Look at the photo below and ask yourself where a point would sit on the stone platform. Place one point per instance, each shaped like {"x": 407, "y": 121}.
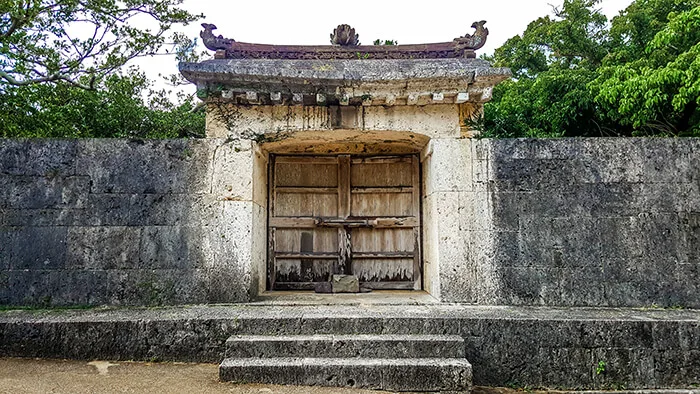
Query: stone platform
{"x": 573, "y": 348}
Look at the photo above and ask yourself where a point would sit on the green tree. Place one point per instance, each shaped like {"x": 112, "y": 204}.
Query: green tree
{"x": 657, "y": 92}
{"x": 577, "y": 75}
{"x": 62, "y": 69}
{"x": 552, "y": 62}
{"x": 115, "y": 108}
{"x": 67, "y": 40}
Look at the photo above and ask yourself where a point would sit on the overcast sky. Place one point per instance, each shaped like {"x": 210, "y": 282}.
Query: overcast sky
{"x": 408, "y": 22}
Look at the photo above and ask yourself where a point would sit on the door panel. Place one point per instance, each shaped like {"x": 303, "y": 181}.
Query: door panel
{"x": 306, "y": 204}
{"x": 340, "y": 214}
{"x": 381, "y": 204}
{"x": 307, "y": 240}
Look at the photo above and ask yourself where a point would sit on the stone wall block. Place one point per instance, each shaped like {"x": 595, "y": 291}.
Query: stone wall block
{"x": 450, "y": 166}
{"x": 233, "y": 171}
{"x": 506, "y": 208}
{"x": 577, "y": 371}
{"x": 525, "y": 175}
{"x": 623, "y": 368}
{"x": 431, "y": 279}
{"x": 6, "y": 243}
{"x": 40, "y": 192}
{"x": 155, "y": 287}
{"x": 148, "y": 167}
{"x": 38, "y": 157}
{"x": 103, "y": 248}
{"x": 434, "y": 121}
{"x": 171, "y": 247}
{"x": 38, "y": 248}
{"x": 677, "y": 368}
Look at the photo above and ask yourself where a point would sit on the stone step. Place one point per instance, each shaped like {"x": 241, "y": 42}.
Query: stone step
{"x": 342, "y": 346}
{"x": 397, "y": 374}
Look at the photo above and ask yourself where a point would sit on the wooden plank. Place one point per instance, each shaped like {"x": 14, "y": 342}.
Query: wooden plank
{"x": 381, "y": 174}
{"x": 344, "y": 251}
{"x": 271, "y": 230}
{"x": 381, "y": 204}
{"x": 306, "y": 205}
{"x": 417, "y": 258}
{"x": 382, "y": 255}
{"x": 395, "y": 222}
{"x": 381, "y": 160}
{"x": 375, "y": 190}
{"x": 306, "y": 174}
{"x": 293, "y": 222}
{"x": 389, "y": 240}
{"x": 343, "y": 186}
{"x": 292, "y": 270}
{"x": 306, "y": 255}
{"x": 291, "y": 240}
{"x": 310, "y": 190}
{"x": 307, "y": 159}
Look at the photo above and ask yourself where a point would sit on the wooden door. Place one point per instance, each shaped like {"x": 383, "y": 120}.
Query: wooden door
{"x": 342, "y": 214}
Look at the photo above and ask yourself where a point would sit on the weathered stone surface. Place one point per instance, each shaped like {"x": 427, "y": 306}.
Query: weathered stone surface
{"x": 89, "y": 222}
{"x": 384, "y": 374}
{"x": 544, "y": 347}
{"x": 585, "y": 222}
{"x": 342, "y": 346}
{"x": 345, "y": 284}
{"x": 101, "y": 248}
{"x": 147, "y": 166}
{"x": 38, "y": 157}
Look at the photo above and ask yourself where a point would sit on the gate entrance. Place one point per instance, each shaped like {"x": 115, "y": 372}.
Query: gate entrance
{"x": 344, "y": 215}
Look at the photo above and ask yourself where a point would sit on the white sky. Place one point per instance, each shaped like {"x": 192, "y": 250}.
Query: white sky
{"x": 310, "y": 22}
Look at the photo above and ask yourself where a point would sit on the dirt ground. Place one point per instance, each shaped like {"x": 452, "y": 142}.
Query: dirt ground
{"x": 18, "y": 376}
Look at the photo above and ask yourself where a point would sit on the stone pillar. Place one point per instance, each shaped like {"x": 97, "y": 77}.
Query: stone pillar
{"x": 240, "y": 184}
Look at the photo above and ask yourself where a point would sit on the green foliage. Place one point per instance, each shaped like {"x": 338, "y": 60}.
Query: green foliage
{"x": 600, "y": 368}
{"x": 577, "y": 75}
{"x": 79, "y": 41}
{"x": 61, "y": 69}
{"x": 659, "y": 93}
{"x": 114, "y": 109}
{"x": 385, "y": 42}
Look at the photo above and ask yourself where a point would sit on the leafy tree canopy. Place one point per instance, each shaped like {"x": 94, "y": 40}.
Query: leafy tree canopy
{"x": 65, "y": 40}
{"x": 575, "y": 74}
{"x": 62, "y": 75}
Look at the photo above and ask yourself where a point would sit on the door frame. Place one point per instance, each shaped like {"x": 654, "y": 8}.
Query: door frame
{"x": 344, "y": 162}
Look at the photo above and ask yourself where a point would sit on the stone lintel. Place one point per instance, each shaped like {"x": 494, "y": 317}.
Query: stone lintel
{"x": 344, "y": 82}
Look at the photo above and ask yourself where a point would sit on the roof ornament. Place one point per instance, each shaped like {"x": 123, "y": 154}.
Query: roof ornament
{"x": 475, "y": 41}
{"x": 346, "y": 46}
{"x": 345, "y": 36}
{"x": 211, "y": 41}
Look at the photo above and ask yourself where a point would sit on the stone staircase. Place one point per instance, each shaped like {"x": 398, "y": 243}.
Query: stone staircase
{"x": 393, "y": 362}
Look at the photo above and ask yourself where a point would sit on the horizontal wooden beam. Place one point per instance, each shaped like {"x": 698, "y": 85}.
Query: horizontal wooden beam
{"x": 377, "y": 190}
{"x": 382, "y": 160}
{"x": 310, "y": 190}
{"x": 307, "y": 256}
{"x": 382, "y": 255}
{"x": 307, "y": 159}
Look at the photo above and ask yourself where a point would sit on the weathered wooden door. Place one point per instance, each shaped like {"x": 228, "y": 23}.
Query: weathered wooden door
{"x": 343, "y": 214}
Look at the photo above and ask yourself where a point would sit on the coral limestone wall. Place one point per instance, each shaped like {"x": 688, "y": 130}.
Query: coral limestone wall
{"x": 575, "y": 222}
{"x": 124, "y": 222}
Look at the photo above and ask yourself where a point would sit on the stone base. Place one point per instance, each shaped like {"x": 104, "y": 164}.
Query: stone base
{"x": 525, "y": 346}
